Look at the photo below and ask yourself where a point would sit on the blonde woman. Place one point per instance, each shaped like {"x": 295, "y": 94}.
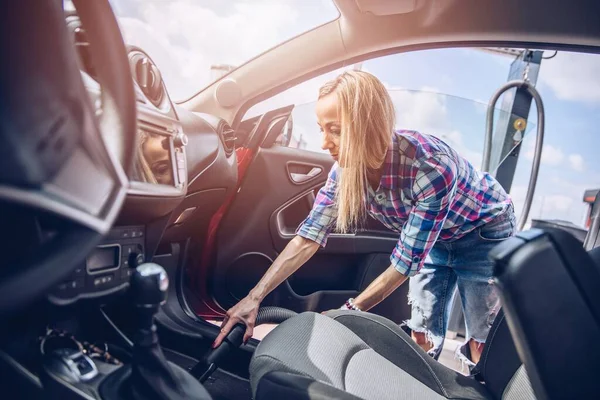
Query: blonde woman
{"x": 152, "y": 161}
{"x": 447, "y": 214}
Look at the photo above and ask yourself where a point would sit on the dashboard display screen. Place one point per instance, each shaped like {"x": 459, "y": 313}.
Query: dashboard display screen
{"x": 103, "y": 258}
{"x": 153, "y": 162}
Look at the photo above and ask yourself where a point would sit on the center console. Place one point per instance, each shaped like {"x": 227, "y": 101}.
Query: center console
{"x": 75, "y": 369}
{"x": 107, "y": 269}
{"x": 158, "y": 182}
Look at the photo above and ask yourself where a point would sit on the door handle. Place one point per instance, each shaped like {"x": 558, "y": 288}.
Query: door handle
{"x": 305, "y": 177}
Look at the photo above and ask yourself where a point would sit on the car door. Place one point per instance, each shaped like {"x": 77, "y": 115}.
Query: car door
{"x": 276, "y": 193}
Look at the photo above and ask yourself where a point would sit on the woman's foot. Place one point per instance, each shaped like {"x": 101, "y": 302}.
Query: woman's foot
{"x": 476, "y": 350}
{"x": 420, "y": 338}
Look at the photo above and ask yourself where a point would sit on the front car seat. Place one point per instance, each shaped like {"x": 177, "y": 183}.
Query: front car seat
{"x": 550, "y": 288}
{"x": 358, "y": 355}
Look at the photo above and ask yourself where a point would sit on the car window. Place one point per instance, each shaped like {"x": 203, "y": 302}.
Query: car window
{"x": 421, "y": 110}
{"x": 445, "y": 92}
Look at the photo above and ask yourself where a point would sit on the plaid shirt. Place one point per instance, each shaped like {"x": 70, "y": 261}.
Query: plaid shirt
{"x": 427, "y": 192}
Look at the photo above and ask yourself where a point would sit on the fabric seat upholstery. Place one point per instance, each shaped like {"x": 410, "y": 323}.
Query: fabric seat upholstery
{"x": 349, "y": 355}
{"x": 554, "y": 316}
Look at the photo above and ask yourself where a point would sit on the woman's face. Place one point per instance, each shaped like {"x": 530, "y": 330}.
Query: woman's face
{"x": 328, "y": 120}
{"x": 158, "y": 159}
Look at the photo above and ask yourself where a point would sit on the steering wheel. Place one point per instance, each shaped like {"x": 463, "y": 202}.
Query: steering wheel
{"x": 60, "y": 156}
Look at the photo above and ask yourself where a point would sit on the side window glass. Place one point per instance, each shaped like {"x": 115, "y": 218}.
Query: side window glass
{"x": 445, "y": 93}
{"x": 301, "y": 130}
{"x": 305, "y": 133}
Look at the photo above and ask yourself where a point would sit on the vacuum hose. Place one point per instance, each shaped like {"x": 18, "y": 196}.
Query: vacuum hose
{"x": 273, "y": 315}
{"x": 266, "y": 315}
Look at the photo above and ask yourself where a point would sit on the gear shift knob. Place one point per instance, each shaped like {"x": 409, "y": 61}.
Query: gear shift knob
{"x": 152, "y": 376}
{"x": 149, "y": 285}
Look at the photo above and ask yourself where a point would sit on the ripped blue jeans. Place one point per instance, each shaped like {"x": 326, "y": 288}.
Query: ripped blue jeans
{"x": 463, "y": 262}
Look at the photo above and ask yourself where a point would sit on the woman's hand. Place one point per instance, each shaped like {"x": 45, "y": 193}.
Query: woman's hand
{"x": 296, "y": 252}
{"x": 244, "y": 312}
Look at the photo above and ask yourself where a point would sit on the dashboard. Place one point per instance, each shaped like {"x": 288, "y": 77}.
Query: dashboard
{"x": 184, "y": 167}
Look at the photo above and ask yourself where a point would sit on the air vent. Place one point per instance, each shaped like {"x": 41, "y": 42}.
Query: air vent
{"x": 228, "y": 135}
{"x": 147, "y": 76}
{"x": 82, "y": 46}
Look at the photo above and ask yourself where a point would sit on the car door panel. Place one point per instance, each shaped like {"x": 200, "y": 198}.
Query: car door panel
{"x": 245, "y": 247}
{"x": 262, "y": 219}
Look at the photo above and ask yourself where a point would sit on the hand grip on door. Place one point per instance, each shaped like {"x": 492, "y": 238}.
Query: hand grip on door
{"x": 299, "y": 177}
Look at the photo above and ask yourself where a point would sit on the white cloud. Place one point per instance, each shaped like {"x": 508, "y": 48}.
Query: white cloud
{"x": 426, "y": 111}
{"x": 562, "y": 201}
{"x": 551, "y": 155}
{"x": 423, "y": 110}
{"x": 567, "y": 186}
{"x": 557, "y": 202}
{"x": 573, "y": 76}
{"x": 576, "y": 161}
{"x": 554, "y": 156}
{"x": 185, "y": 37}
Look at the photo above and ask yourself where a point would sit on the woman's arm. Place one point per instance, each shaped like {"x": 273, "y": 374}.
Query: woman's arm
{"x": 380, "y": 288}
{"x": 293, "y": 256}
{"x": 311, "y": 234}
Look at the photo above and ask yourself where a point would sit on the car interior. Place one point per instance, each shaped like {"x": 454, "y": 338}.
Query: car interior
{"x": 132, "y": 222}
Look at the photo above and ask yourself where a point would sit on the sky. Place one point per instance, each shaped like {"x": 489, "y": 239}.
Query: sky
{"x": 186, "y": 37}
{"x": 441, "y": 92}
{"x": 569, "y": 85}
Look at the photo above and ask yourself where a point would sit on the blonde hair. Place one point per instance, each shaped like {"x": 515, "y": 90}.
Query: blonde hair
{"x": 367, "y": 119}
{"x": 142, "y": 168}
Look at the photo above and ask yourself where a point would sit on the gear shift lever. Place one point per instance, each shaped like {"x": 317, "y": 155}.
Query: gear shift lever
{"x": 153, "y": 377}
{"x": 149, "y": 285}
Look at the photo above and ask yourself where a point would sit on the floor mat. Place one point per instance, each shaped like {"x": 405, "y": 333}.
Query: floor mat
{"x": 224, "y": 386}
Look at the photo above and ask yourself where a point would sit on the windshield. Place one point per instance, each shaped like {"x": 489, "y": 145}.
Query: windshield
{"x": 194, "y": 42}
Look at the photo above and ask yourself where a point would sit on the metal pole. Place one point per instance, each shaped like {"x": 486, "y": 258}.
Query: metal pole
{"x": 539, "y": 140}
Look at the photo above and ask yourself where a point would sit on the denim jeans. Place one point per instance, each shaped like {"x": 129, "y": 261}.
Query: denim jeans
{"x": 463, "y": 262}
